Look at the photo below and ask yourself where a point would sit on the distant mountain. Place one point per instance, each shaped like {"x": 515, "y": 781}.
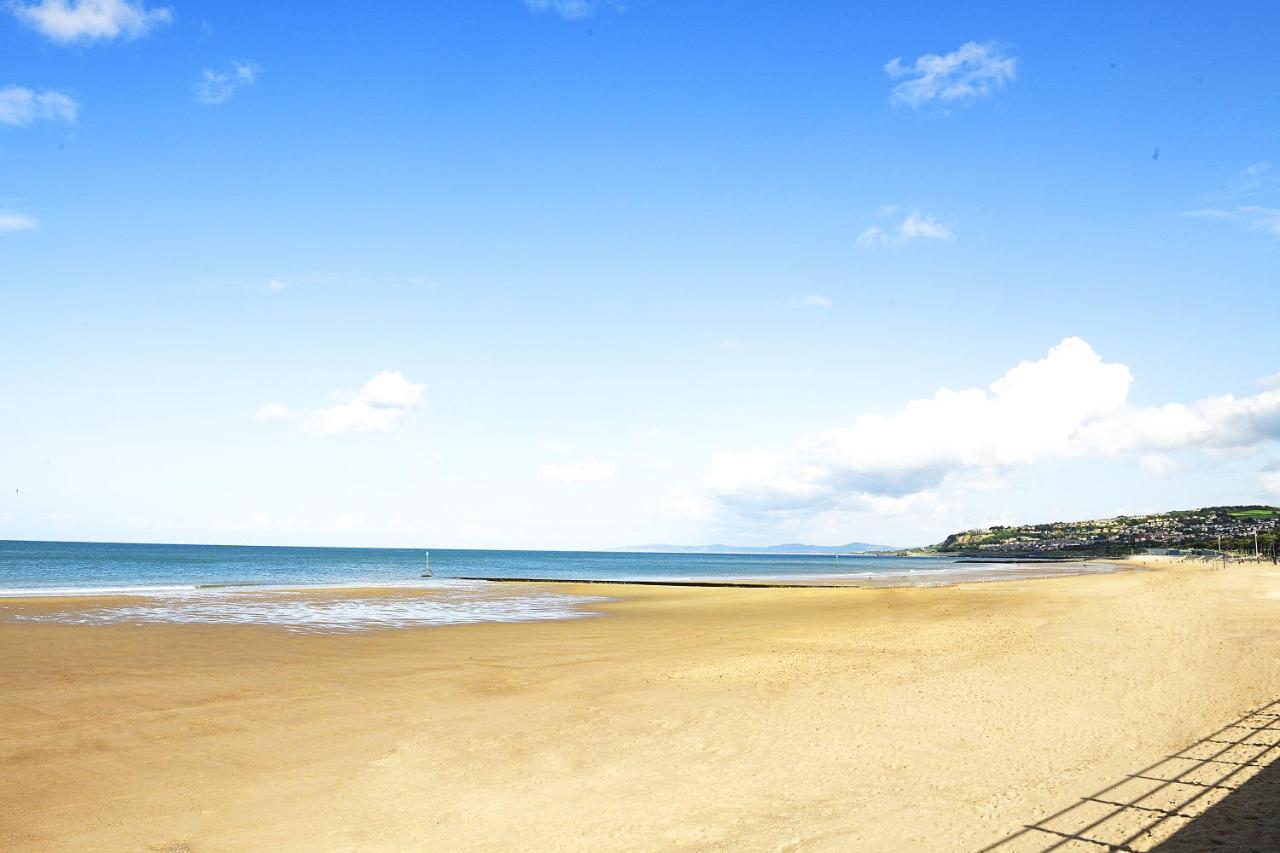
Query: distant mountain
{"x": 1234, "y": 528}
{"x": 850, "y": 548}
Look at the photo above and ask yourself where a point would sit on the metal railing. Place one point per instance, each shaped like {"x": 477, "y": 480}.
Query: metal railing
{"x": 1145, "y": 808}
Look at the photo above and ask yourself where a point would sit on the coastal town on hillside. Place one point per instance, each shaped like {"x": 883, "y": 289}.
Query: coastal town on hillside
{"x": 1247, "y": 530}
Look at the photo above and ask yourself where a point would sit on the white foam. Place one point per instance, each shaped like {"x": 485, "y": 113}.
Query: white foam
{"x": 173, "y": 589}
{"x": 452, "y": 603}
{"x": 74, "y": 591}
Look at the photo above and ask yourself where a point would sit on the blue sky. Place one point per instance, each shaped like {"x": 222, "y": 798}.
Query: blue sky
{"x": 575, "y": 274}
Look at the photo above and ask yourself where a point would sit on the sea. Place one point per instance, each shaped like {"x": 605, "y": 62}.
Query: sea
{"x": 283, "y": 586}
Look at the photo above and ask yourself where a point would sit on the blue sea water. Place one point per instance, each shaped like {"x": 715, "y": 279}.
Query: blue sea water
{"x": 85, "y": 567}
{"x": 284, "y": 587}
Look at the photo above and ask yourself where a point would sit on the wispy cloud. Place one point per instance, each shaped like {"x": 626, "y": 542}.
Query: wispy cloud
{"x": 915, "y": 226}
{"x": 90, "y": 20}
{"x": 972, "y": 71}
{"x": 1254, "y": 179}
{"x": 816, "y": 300}
{"x": 377, "y": 407}
{"x": 11, "y": 220}
{"x": 1256, "y": 183}
{"x": 572, "y": 9}
{"x": 21, "y": 106}
{"x": 1263, "y": 220}
{"x": 589, "y": 470}
{"x": 217, "y": 87}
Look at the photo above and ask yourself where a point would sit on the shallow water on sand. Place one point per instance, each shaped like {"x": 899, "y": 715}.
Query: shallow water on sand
{"x": 86, "y": 568}
{"x": 326, "y": 589}
{"x": 322, "y": 611}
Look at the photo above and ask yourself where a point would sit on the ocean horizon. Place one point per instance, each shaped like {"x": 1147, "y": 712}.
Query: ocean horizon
{"x": 290, "y": 586}
{"x": 29, "y": 567}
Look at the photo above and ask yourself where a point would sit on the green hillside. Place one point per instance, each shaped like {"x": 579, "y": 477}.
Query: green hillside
{"x": 1234, "y": 526}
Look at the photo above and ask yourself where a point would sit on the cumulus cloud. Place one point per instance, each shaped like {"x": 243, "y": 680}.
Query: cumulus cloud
{"x": 377, "y": 407}
{"x": 1251, "y": 217}
{"x": 1069, "y": 403}
{"x": 969, "y": 72}
{"x": 589, "y": 470}
{"x": 90, "y": 20}
{"x": 22, "y": 107}
{"x": 11, "y": 220}
{"x": 571, "y": 9}
{"x": 217, "y": 87}
{"x": 914, "y": 227}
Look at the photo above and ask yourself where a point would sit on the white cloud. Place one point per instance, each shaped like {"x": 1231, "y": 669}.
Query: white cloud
{"x": 88, "y": 20}
{"x": 11, "y": 220}
{"x": 275, "y": 285}
{"x": 816, "y": 300}
{"x": 1069, "y": 403}
{"x": 589, "y": 470}
{"x": 969, "y": 72}
{"x": 377, "y": 407}
{"x": 914, "y": 227}
{"x": 21, "y": 106}
{"x": 571, "y": 9}
{"x": 1211, "y": 424}
{"x": 1272, "y": 381}
{"x": 217, "y": 87}
{"x": 1264, "y": 220}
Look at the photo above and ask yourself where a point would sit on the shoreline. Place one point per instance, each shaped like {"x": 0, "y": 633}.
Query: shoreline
{"x": 878, "y": 580}
{"x": 1012, "y": 570}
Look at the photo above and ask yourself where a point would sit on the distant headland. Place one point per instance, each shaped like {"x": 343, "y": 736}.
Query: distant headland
{"x": 1253, "y": 529}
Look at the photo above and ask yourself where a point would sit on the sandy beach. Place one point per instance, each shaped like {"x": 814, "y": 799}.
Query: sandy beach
{"x": 680, "y": 718}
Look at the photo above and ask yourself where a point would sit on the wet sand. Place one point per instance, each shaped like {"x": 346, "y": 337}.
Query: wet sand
{"x": 685, "y": 718}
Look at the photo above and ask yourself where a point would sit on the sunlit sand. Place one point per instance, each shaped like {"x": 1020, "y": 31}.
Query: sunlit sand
{"x": 685, "y": 718}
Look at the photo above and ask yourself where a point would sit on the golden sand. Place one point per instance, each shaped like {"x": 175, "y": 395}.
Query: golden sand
{"x": 685, "y": 718}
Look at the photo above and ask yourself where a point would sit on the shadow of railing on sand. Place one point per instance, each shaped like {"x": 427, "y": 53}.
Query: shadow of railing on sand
{"x": 1220, "y": 793}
